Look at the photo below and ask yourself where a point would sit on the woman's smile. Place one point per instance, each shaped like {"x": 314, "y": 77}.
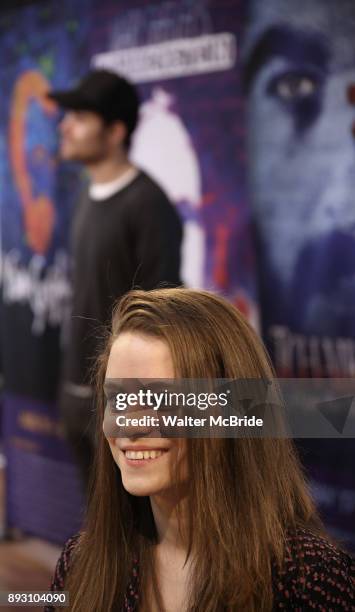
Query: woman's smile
{"x": 137, "y": 458}
{"x": 140, "y": 455}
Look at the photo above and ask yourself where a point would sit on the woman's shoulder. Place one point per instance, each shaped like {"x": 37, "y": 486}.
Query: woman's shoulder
{"x": 62, "y": 567}
{"x": 316, "y": 573}
{"x": 64, "y": 561}
{"x": 315, "y": 547}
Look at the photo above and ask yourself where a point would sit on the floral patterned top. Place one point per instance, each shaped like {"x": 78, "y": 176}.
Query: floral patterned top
{"x": 327, "y": 584}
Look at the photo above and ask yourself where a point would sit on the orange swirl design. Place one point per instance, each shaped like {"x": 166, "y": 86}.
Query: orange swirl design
{"x": 38, "y": 212}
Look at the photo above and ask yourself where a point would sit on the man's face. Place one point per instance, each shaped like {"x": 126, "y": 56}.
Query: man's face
{"x": 83, "y": 137}
{"x": 300, "y": 62}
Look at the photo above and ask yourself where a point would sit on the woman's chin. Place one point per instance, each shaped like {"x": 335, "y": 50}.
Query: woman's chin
{"x": 140, "y": 489}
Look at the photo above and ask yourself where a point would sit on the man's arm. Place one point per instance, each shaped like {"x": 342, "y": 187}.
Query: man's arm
{"x": 158, "y": 237}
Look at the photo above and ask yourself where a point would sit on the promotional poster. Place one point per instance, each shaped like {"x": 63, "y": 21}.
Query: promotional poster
{"x": 189, "y": 139}
{"x": 299, "y": 68}
{"x": 37, "y": 196}
{"x": 180, "y": 54}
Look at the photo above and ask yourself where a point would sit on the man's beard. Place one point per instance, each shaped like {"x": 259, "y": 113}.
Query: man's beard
{"x": 87, "y": 156}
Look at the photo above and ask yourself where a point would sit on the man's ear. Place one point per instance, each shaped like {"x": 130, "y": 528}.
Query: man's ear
{"x": 118, "y": 133}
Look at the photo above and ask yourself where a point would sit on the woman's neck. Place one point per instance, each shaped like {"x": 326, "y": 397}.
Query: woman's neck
{"x": 170, "y": 521}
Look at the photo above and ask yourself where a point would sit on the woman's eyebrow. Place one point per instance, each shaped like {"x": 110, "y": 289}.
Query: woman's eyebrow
{"x": 158, "y": 383}
{"x": 290, "y": 43}
{"x": 112, "y": 386}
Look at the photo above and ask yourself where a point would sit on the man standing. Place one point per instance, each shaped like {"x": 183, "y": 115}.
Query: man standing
{"x": 125, "y": 233}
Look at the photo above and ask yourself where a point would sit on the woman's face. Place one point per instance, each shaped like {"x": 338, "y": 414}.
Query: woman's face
{"x": 135, "y": 355}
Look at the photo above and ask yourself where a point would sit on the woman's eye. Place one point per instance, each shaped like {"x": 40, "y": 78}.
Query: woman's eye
{"x": 111, "y": 401}
{"x": 293, "y": 87}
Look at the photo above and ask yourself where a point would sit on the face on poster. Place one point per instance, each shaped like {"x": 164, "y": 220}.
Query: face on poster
{"x": 299, "y": 62}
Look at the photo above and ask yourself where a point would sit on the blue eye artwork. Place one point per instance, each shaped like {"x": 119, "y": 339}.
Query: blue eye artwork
{"x": 300, "y": 94}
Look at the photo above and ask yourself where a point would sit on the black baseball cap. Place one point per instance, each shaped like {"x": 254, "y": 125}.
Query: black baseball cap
{"x": 104, "y": 92}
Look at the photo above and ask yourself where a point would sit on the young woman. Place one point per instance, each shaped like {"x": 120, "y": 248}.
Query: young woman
{"x": 202, "y": 525}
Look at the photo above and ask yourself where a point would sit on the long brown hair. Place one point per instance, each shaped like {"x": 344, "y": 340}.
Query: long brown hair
{"x": 245, "y": 494}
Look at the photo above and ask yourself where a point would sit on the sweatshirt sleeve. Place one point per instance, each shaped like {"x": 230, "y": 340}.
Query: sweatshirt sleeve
{"x": 158, "y": 237}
